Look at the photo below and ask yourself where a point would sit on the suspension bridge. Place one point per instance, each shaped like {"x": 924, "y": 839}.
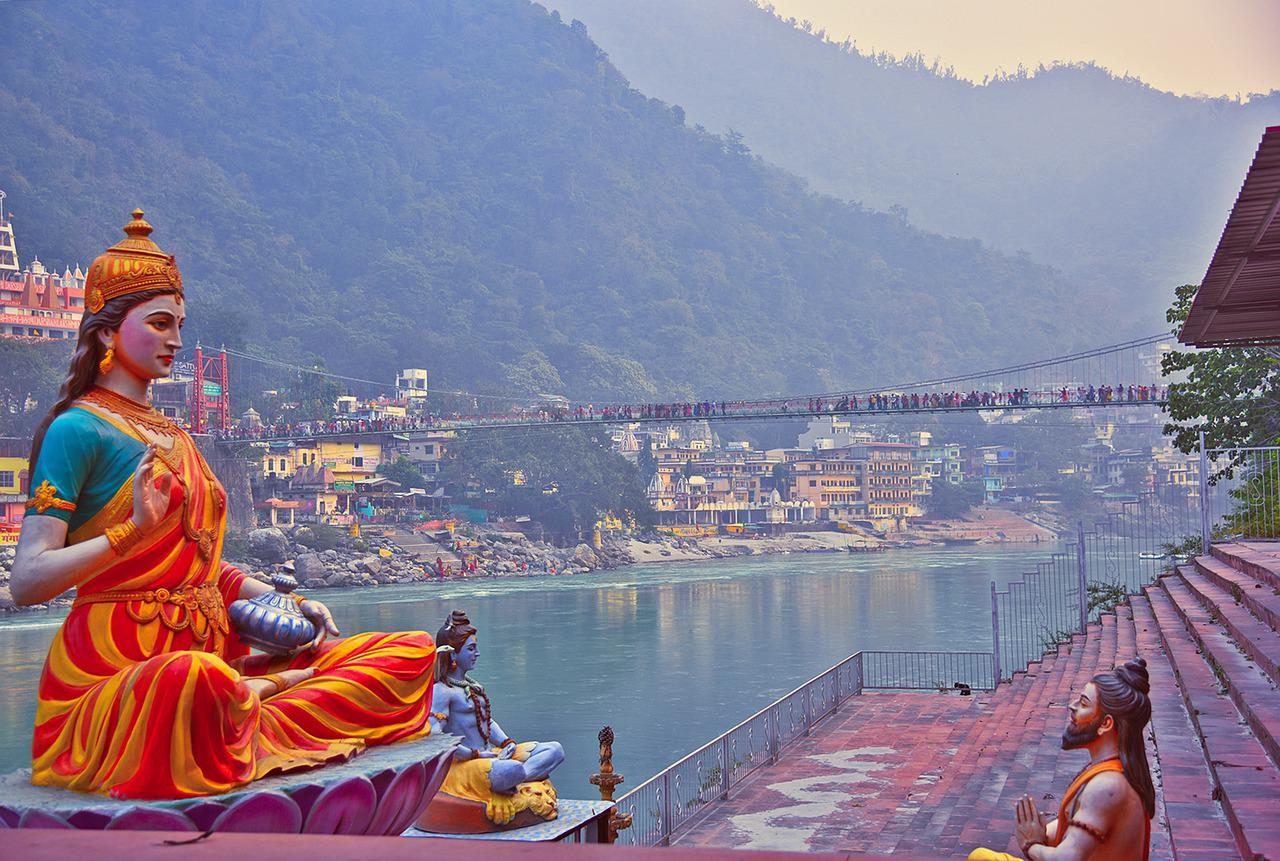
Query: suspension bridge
{"x": 1122, "y": 375}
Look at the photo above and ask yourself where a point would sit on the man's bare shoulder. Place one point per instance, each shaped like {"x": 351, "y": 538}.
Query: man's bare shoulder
{"x": 1108, "y": 790}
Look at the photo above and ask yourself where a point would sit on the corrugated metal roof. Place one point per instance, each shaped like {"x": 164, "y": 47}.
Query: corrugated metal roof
{"x": 1239, "y": 299}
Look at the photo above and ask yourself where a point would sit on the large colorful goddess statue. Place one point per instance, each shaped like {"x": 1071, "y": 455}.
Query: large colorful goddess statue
{"x": 494, "y": 782}
{"x": 148, "y": 691}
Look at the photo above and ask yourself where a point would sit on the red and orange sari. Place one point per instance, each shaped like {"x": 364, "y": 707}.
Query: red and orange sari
{"x": 141, "y": 695}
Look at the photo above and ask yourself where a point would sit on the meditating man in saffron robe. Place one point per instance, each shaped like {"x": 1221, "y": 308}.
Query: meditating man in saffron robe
{"x": 147, "y": 691}
{"x": 1106, "y": 812}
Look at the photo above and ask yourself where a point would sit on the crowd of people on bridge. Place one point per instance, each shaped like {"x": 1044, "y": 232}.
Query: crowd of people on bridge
{"x": 681, "y": 410}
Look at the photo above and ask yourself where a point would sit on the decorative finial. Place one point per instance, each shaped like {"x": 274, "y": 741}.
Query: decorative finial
{"x": 607, "y": 779}
{"x": 138, "y": 227}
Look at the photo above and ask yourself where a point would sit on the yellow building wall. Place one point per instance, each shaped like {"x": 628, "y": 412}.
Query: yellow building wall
{"x": 16, "y": 466}
{"x": 350, "y": 460}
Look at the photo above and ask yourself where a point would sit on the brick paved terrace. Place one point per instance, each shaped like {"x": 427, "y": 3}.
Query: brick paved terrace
{"x": 914, "y": 774}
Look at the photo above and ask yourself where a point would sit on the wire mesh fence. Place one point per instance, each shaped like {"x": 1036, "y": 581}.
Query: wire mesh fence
{"x": 927, "y": 671}
{"x": 1242, "y": 493}
{"x": 1116, "y": 556}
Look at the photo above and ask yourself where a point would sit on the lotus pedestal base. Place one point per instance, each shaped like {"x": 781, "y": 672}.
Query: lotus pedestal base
{"x": 379, "y": 792}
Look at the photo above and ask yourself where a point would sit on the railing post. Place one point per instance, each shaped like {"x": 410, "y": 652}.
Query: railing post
{"x": 771, "y": 733}
{"x": 808, "y": 708}
{"x": 667, "y": 825}
{"x": 995, "y": 638}
{"x": 1205, "y": 536}
{"x": 1082, "y": 580}
{"x": 725, "y": 768}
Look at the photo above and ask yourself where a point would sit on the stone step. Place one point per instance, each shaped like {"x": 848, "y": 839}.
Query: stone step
{"x": 1260, "y": 560}
{"x": 1249, "y": 688}
{"x": 1252, "y": 636}
{"x": 1262, "y": 599}
{"x": 1008, "y": 758}
{"x": 1247, "y": 783}
{"x": 1193, "y": 823}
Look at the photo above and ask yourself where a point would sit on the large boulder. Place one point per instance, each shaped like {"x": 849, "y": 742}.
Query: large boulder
{"x": 6, "y": 599}
{"x": 269, "y": 544}
{"x": 310, "y": 566}
{"x": 584, "y": 557}
{"x": 370, "y": 564}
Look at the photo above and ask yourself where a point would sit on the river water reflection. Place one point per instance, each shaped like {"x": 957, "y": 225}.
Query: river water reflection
{"x": 670, "y": 654}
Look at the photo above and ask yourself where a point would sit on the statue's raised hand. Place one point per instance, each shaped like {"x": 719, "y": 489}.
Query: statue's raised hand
{"x": 149, "y": 503}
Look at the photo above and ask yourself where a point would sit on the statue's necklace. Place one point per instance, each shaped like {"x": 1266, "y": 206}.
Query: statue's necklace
{"x": 135, "y": 414}
{"x": 480, "y": 700}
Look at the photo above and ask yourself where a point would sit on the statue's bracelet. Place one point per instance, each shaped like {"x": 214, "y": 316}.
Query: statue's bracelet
{"x": 1026, "y": 847}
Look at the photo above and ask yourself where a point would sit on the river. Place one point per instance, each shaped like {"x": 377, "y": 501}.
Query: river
{"x": 669, "y": 654}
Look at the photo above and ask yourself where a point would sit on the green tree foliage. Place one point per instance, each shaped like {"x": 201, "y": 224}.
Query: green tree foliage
{"x": 1232, "y": 394}
{"x": 565, "y": 478}
{"x": 474, "y": 188}
{"x": 33, "y": 372}
{"x": 645, "y": 461}
{"x": 1075, "y": 494}
{"x": 781, "y": 475}
{"x": 403, "y": 472}
{"x": 953, "y": 500}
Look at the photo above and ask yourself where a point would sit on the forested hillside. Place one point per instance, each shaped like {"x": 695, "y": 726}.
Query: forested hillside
{"x": 1122, "y": 187}
{"x": 471, "y": 187}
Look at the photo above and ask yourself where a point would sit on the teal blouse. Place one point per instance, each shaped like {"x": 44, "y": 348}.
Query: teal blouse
{"x": 85, "y": 460}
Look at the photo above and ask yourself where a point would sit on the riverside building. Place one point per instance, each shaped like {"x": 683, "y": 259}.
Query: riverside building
{"x": 34, "y": 302}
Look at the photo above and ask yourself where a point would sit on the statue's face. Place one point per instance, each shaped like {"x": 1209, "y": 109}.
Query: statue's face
{"x": 1087, "y": 720}
{"x": 468, "y": 655}
{"x": 149, "y": 337}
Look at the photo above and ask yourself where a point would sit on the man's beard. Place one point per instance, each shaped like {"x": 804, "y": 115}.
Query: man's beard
{"x": 1080, "y": 735}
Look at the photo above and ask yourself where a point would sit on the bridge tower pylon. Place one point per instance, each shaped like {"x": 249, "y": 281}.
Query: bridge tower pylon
{"x": 210, "y": 406}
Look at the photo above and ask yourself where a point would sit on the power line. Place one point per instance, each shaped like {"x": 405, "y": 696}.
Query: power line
{"x": 276, "y": 363}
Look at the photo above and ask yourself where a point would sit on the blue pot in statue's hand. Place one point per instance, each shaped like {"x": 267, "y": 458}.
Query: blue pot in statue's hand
{"x": 272, "y": 622}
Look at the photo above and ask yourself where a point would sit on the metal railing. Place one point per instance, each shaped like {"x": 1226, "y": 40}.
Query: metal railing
{"x": 669, "y": 799}
{"x": 1096, "y": 570}
{"x": 1241, "y": 493}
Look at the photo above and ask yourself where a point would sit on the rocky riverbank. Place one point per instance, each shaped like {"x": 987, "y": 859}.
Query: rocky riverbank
{"x": 328, "y": 559}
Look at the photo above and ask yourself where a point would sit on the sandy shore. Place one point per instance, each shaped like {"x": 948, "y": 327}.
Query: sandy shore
{"x": 985, "y": 524}
{"x": 724, "y": 546}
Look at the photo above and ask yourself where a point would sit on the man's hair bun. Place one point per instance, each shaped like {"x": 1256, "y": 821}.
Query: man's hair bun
{"x": 1134, "y": 674}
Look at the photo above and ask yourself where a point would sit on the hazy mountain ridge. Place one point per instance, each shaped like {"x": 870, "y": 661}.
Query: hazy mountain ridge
{"x": 472, "y": 187}
{"x": 1121, "y": 186}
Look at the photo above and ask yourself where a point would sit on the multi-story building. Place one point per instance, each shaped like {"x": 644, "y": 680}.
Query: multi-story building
{"x": 328, "y": 477}
{"x": 875, "y": 481}
{"x": 832, "y": 432}
{"x": 426, "y": 452}
{"x": 725, "y": 487}
{"x": 937, "y": 460}
{"x": 14, "y": 488}
{"x": 411, "y": 387}
{"x": 34, "y": 302}
{"x": 996, "y": 466}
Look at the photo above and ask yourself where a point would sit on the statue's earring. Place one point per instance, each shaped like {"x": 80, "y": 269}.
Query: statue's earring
{"x": 104, "y": 367}
{"x": 453, "y": 665}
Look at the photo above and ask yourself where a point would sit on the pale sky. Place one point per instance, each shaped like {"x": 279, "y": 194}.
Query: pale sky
{"x": 1214, "y": 47}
